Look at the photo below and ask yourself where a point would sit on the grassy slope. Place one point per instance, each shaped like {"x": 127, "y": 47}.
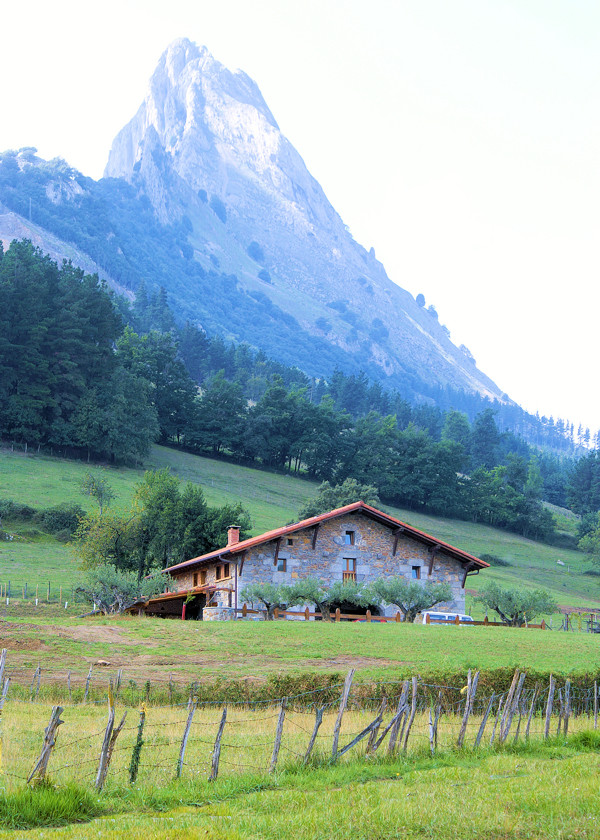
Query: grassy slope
{"x": 272, "y": 500}
{"x": 151, "y": 649}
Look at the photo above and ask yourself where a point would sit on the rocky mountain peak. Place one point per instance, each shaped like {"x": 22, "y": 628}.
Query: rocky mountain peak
{"x": 206, "y": 150}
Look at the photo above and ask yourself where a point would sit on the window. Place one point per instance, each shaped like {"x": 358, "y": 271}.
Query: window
{"x": 226, "y": 572}
{"x": 290, "y": 541}
{"x": 200, "y": 578}
{"x": 349, "y": 538}
{"x": 350, "y": 571}
{"x": 218, "y": 571}
{"x": 195, "y": 579}
{"x": 416, "y": 572}
{"x": 222, "y": 571}
{"x": 282, "y": 564}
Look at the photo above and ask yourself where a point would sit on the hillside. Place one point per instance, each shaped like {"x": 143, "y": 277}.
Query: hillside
{"x": 272, "y": 500}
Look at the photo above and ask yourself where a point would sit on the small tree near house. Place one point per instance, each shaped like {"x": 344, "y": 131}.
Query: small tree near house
{"x": 313, "y": 591}
{"x": 517, "y": 607}
{"x": 112, "y": 590}
{"x": 409, "y": 596}
{"x": 273, "y": 596}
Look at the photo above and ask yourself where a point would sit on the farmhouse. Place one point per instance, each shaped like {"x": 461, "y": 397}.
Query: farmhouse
{"x": 355, "y": 542}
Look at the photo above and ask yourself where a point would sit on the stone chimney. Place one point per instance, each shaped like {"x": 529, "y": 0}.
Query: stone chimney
{"x": 233, "y": 535}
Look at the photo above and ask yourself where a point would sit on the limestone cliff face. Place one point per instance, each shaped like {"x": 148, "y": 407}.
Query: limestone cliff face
{"x": 205, "y": 147}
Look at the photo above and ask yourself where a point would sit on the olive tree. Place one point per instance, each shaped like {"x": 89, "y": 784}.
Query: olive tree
{"x": 272, "y": 595}
{"x": 409, "y": 596}
{"x": 517, "y": 606}
{"x": 113, "y": 590}
{"x": 314, "y": 591}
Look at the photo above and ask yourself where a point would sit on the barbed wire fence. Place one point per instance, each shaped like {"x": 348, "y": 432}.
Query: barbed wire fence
{"x": 205, "y": 740}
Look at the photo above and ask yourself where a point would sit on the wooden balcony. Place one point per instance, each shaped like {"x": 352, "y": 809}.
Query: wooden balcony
{"x": 348, "y": 576}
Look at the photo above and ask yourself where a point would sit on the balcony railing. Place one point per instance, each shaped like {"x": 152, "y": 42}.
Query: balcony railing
{"x": 348, "y": 576}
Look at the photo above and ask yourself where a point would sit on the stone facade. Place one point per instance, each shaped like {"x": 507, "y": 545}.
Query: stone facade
{"x": 352, "y": 546}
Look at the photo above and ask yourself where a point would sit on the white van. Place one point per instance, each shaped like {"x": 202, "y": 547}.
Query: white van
{"x": 440, "y": 617}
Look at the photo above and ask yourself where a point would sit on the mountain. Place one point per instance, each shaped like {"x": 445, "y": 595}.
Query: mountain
{"x": 203, "y": 195}
{"x": 205, "y": 146}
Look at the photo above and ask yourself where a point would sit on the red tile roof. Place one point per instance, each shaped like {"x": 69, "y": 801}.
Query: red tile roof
{"x": 355, "y": 507}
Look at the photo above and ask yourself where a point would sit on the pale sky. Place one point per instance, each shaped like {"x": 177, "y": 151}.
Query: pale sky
{"x": 458, "y": 138}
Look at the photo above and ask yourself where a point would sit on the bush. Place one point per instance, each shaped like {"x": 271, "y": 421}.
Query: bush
{"x": 15, "y": 510}
{"x": 61, "y": 518}
{"x": 218, "y": 208}
{"x": 255, "y": 252}
{"x": 323, "y": 324}
{"x": 264, "y": 275}
{"x": 494, "y": 560}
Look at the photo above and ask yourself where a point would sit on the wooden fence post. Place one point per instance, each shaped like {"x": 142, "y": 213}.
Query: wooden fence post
{"x": 567, "y": 708}
{"x": 338, "y": 613}
{"x": 49, "y": 741}
{"x": 110, "y": 736}
{"x": 595, "y": 704}
{"x": 343, "y": 703}
{"x": 508, "y": 703}
{"x": 500, "y": 706}
{"x": 306, "y": 614}
{"x": 216, "y": 754}
{"x": 192, "y": 703}
{"x": 511, "y": 708}
{"x": 3, "y": 689}
{"x": 313, "y": 737}
{"x": 470, "y": 698}
{"x": 536, "y": 691}
{"x": 549, "y": 705}
{"x": 134, "y": 765}
{"x": 366, "y": 731}
{"x": 484, "y": 721}
{"x": 369, "y": 615}
{"x": 413, "y": 711}
{"x": 36, "y": 676}
{"x": 375, "y": 730}
{"x": 561, "y": 710}
{"x": 398, "y": 617}
{"x": 400, "y": 712}
{"x": 278, "y": 734}
{"x": 87, "y": 684}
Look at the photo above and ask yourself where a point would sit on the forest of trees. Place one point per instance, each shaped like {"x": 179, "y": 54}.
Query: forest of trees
{"x": 85, "y": 374}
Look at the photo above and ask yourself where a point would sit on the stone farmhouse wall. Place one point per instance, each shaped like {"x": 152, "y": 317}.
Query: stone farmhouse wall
{"x": 368, "y": 553}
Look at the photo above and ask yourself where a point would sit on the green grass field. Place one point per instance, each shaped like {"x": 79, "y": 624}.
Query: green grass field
{"x": 272, "y": 500}
{"x": 155, "y": 649}
{"x": 525, "y": 792}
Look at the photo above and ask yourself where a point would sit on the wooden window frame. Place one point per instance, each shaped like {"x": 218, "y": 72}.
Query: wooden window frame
{"x": 223, "y": 571}
{"x": 350, "y": 538}
{"x": 281, "y": 561}
{"x": 350, "y": 571}
{"x": 415, "y": 572}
